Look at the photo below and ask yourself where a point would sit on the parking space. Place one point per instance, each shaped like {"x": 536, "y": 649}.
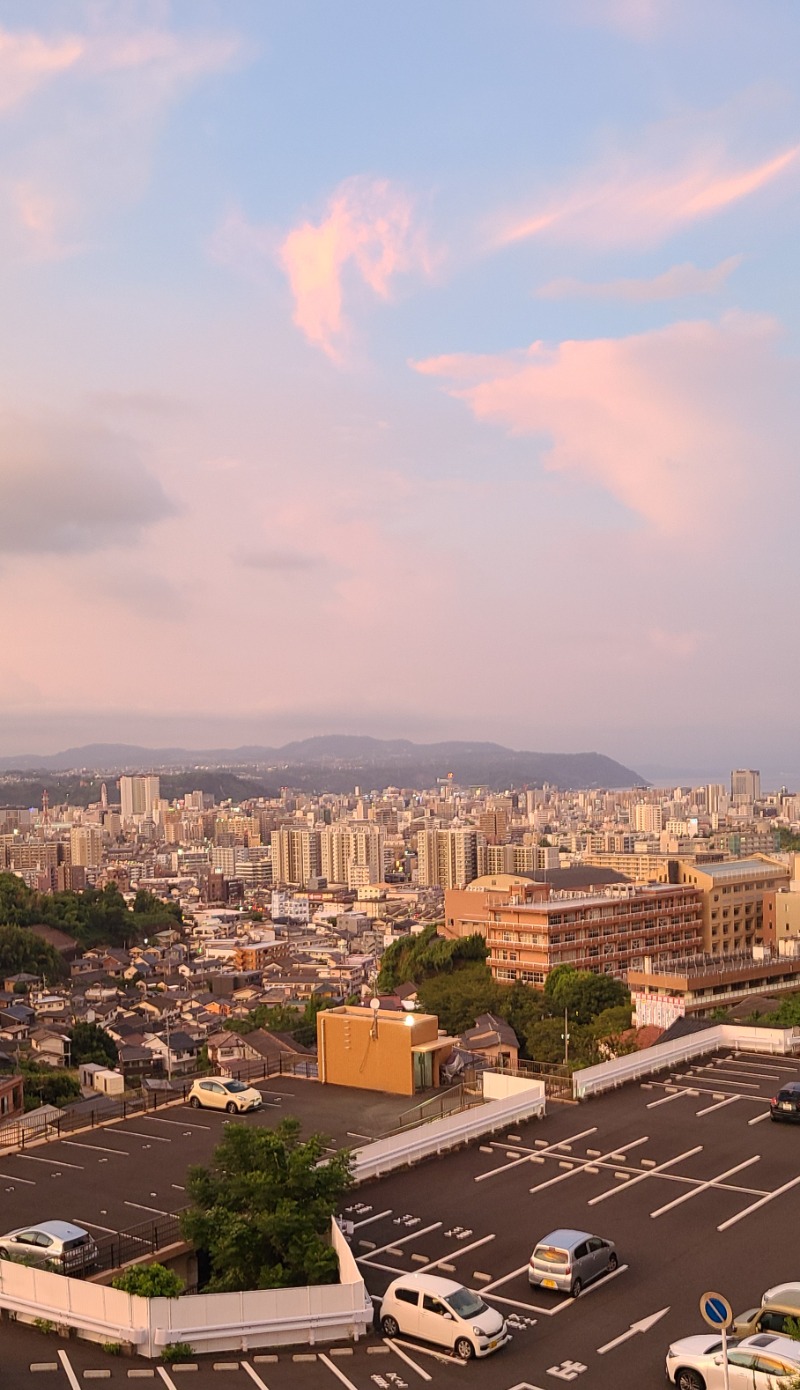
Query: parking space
{"x": 680, "y": 1172}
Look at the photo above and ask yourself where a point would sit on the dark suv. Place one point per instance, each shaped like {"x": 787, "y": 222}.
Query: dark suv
{"x": 786, "y": 1104}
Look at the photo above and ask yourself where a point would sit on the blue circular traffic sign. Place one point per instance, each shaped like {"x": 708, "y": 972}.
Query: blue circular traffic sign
{"x": 716, "y": 1310}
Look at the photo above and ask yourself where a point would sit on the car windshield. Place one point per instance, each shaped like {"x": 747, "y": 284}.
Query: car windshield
{"x": 466, "y": 1304}
{"x": 235, "y": 1086}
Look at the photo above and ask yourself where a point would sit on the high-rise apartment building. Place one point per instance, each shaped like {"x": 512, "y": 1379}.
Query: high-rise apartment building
{"x": 449, "y": 858}
{"x": 353, "y": 854}
{"x": 745, "y": 786}
{"x": 647, "y": 818}
{"x": 296, "y": 856}
{"x": 86, "y": 846}
{"x": 139, "y": 797}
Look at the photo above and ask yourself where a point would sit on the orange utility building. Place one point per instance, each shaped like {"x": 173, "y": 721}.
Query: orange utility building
{"x": 380, "y": 1049}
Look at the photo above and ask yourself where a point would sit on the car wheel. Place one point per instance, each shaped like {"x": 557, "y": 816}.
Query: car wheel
{"x": 464, "y": 1349}
{"x": 389, "y": 1327}
{"x": 231, "y": 1107}
{"x": 613, "y": 1262}
{"x": 4, "y": 1255}
{"x": 194, "y": 1101}
{"x": 687, "y": 1379}
{"x": 576, "y": 1287}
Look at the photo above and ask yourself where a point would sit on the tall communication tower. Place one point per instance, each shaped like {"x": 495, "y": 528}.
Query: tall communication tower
{"x": 45, "y": 807}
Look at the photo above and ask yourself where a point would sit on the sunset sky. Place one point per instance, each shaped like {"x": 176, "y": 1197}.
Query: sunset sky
{"x": 425, "y": 370}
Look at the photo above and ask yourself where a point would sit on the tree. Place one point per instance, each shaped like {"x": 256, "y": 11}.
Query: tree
{"x": 21, "y": 952}
{"x": 262, "y": 1208}
{"x": 610, "y": 1032}
{"x": 91, "y": 1043}
{"x": 458, "y": 998}
{"x": 149, "y": 1281}
{"x": 545, "y": 1040}
{"x": 48, "y": 1087}
{"x": 583, "y": 993}
{"x": 420, "y": 956}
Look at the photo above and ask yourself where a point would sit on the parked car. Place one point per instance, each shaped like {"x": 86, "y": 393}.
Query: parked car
{"x": 778, "y": 1306}
{"x": 58, "y": 1243}
{"x": 568, "y": 1260}
{"x": 786, "y": 1104}
{"x": 442, "y": 1311}
{"x": 220, "y": 1093}
{"x": 757, "y": 1363}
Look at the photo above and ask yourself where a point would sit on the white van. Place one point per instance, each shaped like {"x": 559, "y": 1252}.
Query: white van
{"x": 442, "y": 1311}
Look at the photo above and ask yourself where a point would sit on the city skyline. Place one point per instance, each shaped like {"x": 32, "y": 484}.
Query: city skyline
{"x": 362, "y": 365}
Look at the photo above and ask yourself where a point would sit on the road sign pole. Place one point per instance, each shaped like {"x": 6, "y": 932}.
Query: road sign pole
{"x": 725, "y": 1375}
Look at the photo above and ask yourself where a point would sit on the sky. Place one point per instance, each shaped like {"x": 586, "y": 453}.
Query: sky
{"x": 423, "y": 371}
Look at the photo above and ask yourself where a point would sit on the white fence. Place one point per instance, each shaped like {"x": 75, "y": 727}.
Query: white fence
{"x": 606, "y": 1075}
{"x": 208, "y": 1322}
{"x": 518, "y": 1099}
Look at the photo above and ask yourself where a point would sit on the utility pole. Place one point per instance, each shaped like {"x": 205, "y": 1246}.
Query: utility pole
{"x": 566, "y": 1038}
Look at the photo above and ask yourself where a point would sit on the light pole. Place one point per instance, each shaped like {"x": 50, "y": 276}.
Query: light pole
{"x": 565, "y": 1036}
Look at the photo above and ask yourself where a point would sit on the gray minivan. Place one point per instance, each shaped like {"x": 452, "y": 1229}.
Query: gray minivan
{"x": 568, "y": 1260}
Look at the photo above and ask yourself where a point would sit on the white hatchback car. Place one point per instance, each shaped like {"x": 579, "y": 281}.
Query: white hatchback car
{"x": 221, "y": 1093}
{"x": 441, "y": 1311}
{"x": 763, "y": 1362}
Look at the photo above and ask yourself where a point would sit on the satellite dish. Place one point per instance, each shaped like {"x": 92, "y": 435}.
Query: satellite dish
{"x": 375, "y": 1005}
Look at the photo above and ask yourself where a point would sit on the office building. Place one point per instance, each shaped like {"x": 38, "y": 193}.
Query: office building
{"x": 745, "y": 786}
{"x": 139, "y": 797}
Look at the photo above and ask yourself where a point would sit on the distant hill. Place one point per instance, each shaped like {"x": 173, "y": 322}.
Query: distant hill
{"x": 337, "y": 762}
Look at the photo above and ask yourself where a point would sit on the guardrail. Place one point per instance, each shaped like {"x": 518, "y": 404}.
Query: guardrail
{"x": 521, "y": 1100}
{"x": 591, "y": 1081}
{"x": 211, "y": 1322}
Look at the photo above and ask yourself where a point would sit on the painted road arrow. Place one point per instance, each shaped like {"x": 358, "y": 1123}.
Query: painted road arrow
{"x": 643, "y": 1325}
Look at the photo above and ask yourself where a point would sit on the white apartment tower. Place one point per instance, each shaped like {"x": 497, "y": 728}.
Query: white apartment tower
{"x": 449, "y": 858}
{"x": 296, "y": 856}
{"x": 140, "y": 797}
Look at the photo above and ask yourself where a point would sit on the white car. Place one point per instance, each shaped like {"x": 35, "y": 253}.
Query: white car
{"x": 763, "y": 1362}
{"x": 442, "y": 1311}
{"x": 58, "y": 1244}
{"x": 221, "y": 1093}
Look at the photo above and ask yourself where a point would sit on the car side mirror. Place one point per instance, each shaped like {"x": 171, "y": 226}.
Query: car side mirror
{"x": 449, "y": 1316}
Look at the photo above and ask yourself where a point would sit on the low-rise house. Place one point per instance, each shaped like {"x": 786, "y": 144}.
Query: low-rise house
{"x": 493, "y": 1039}
{"x": 51, "y": 1047}
{"x": 178, "y": 1050}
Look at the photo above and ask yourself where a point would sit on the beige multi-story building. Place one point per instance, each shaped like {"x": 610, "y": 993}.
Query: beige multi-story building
{"x": 745, "y": 786}
{"x": 139, "y": 797}
{"x": 449, "y": 858}
{"x": 733, "y": 899}
{"x": 296, "y": 856}
{"x": 86, "y": 846}
{"x": 648, "y": 819}
{"x": 353, "y": 854}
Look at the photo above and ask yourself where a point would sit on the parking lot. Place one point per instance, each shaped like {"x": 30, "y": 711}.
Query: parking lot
{"x": 685, "y": 1174}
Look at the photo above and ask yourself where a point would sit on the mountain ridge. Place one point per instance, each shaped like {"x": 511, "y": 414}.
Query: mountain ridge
{"x": 327, "y": 757}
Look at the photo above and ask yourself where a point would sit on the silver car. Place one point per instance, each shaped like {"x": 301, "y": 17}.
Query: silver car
{"x": 56, "y": 1244}
{"x": 568, "y": 1260}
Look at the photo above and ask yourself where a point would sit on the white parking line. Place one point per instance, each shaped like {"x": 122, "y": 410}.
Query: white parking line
{"x": 254, "y": 1376}
{"x": 99, "y": 1148}
{"x": 12, "y": 1177}
{"x": 674, "y": 1095}
{"x": 740, "y": 1081}
{"x": 54, "y": 1162}
{"x": 497, "y": 1283}
{"x": 748, "y": 1060}
{"x": 182, "y": 1124}
{"x": 68, "y": 1371}
{"x": 402, "y": 1241}
{"x": 640, "y": 1177}
{"x": 378, "y": 1217}
{"x": 712, "y": 1182}
{"x": 589, "y": 1163}
{"x": 167, "y": 1379}
{"x": 339, "y": 1374}
{"x": 732, "y": 1070}
{"x": 158, "y": 1210}
{"x": 462, "y": 1250}
{"x": 142, "y": 1134}
{"x": 718, "y": 1105}
{"x": 740, "y": 1215}
{"x": 713, "y": 1090}
{"x": 93, "y": 1225}
{"x": 758, "y": 1118}
{"x": 751, "y": 1085}
{"x": 428, "y": 1351}
{"x": 526, "y": 1158}
{"x": 403, "y": 1357}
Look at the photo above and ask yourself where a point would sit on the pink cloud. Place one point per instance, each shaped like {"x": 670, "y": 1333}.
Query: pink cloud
{"x": 642, "y": 199}
{"x": 27, "y": 60}
{"x": 676, "y": 283}
{"x": 682, "y": 425}
{"x": 368, "y": 230}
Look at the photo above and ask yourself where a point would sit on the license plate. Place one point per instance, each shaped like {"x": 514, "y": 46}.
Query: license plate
{"x": 786, "y": 1105}
{"x": 492, "y": 1345}
{"x": 549, "y": 1284}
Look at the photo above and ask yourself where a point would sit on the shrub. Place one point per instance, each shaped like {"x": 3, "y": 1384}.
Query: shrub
{"x": 149, "y": 1281}
{"x": 112, "y": 1348}
{"x": 177, "y": 1351}
{"x": 44, "y": 1325}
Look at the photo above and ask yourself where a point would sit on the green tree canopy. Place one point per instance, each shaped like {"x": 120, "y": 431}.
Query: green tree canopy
{"x": 91, "y": 1043}
{"x": 149, "y": 1281}
{"x": 417, "y": 957}
{"x": 263, "y": 1206}
{"x": 282, "y": 1018}
{"x": 583, "y": 993}
{"x": 22, "y": 952}
{"x": 94, "y": 917}
{"x": 47, "y": 1086}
